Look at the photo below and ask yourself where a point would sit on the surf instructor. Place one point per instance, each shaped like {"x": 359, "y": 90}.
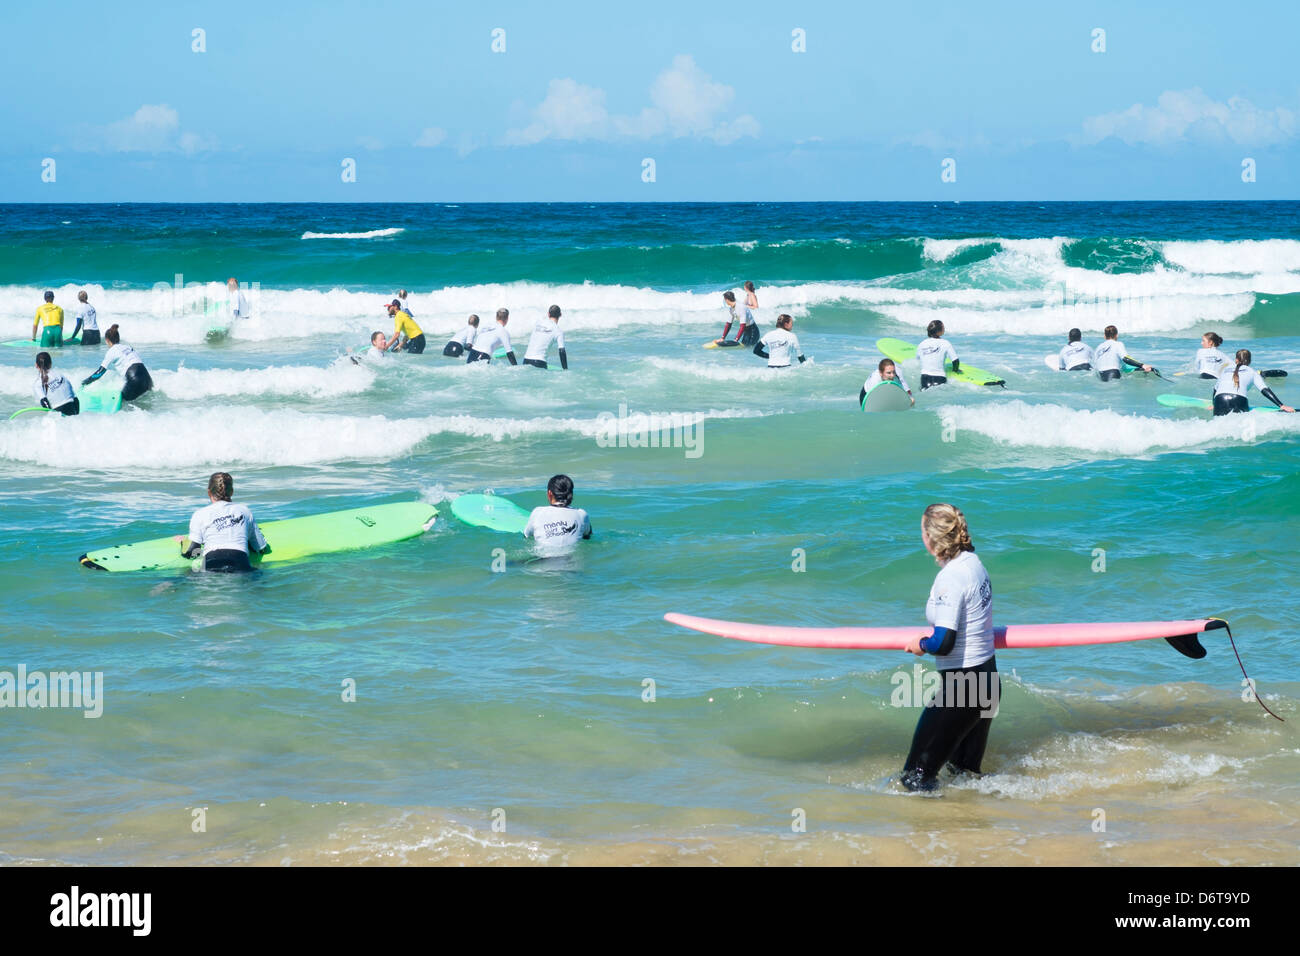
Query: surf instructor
{"x": 223, "y": 532}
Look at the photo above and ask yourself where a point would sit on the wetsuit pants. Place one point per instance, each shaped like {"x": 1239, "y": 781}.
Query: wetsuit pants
{"x": 453, "y": 349}
{"x": 1109, "y": 375}
{"x": 416, "y": 345}
{"x": 137, "y": 382}
{"x": 227, "y": 560}
{"x": 535, "y": 363}
{"x": 90, "y": 336}
{"x": 929, "y": 380}
{"x": 951, "y": 729}
{"x": 70, "y": 408}
{"x": 1226, "y": 404}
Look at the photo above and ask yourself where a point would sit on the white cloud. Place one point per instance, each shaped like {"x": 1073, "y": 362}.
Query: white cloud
{"x": 153, "y": 128}
{"x": 1192, "y": 115}
{"x": 685, "y": 102}
{"x": 431, "y": 136}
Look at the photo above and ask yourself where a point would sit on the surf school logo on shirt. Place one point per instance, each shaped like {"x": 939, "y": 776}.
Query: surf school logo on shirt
{"x": 558, "y": 529}
{"x": 222, "y": 522}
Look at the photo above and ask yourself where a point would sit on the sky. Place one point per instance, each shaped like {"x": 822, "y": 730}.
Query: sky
{"x": 658, "y": 101}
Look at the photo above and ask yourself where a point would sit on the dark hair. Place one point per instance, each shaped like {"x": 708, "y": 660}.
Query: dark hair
{"x": 473, "y": 320}
{"x": 81, "y": 296}
{"x": 43, "y": 362}
{"x": 1215, "y": 337}
{"x": 561, "y": 489}
{"x": 1075, "y": 335}
{"x": 934, "y": 329}
{"x": 503, "y": 314}
{"x": 221, "y": 486}
{"x": 784, "y": 321}
{"x": 373, "y": 336}
{"x": 396, "y": 302}
{"x": 749, "y": 287}
{"x": 729, "y": 296}
{"x": 1243, "y": 358}
{"x": 553, "y": 311}
{"x": 883, "y": 363}
{"x": 113, "y": 335}
{"x": 1111, "y": 332}
{"x": 49, "y": 296}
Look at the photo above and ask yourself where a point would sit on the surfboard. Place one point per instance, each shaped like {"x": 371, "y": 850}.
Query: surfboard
{"x": 100, "y": 397}
{"x": 1053, "y": 362}
{"x": 901, "y": 351}
{"x": 35, "y": 343}
{"x": 1182, "y": 635}
{"x": 731, "y": 344}
{"x": 886, "y": 397}
{"x": 1204, "y": 404}
{"x": 289, "y": 540}
{"x": 490, "y": 511}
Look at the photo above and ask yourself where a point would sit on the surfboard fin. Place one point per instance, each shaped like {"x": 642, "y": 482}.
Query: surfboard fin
{"x": 1187, "y": 645}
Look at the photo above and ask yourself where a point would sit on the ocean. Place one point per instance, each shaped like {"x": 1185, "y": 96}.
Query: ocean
{"x": 510, "y": 709}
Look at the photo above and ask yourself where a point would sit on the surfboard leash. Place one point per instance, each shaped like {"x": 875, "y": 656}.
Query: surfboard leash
{"x": 1249, "y": 683}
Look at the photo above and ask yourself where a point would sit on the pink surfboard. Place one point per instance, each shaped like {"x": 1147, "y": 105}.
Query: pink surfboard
{"x": 1181, "y": 634}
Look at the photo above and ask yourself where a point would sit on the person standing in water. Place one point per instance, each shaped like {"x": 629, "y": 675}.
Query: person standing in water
{"x": 747, "y": 334}
{"x": 954, "y": 725}
{"x": 1075, "y": 356}
{"x": 404, "y": 326}
{"x": 934, "y": 352}
{"x": 1110, "y": 353}
{"x": 779, "y": 344}
{"x": 463, "y": 339}
{"x": 87, "y": 321}
{"x": 1230, "y": 389}
{"x": 54, "y": 391}
{"x": 1209, "y": 360}
{"x": 545, "y": 332}
{"x": 49, "y": 319}
{"x": 237, "y": 304}
{"x": 751, "y": 301}
{"x": 129, "y": 364}
{"x": 401, "y": 299}
{"x": 557, "y": 524}
{"x": 490, "y": 339}
{"x": 223, "y": 532}
{"x": 886, "y": 371}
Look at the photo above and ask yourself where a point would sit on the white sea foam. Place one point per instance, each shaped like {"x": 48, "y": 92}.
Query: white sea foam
{"x": 1238, "y": 257}
{"x": 371, "y": 234}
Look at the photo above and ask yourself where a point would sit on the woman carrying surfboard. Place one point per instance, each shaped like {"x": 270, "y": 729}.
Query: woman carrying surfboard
{"x": 128, "y": 360}
{"x": 53, "y": 391}
{"x": 1230, "y": 389}
{"x": 886, "y": 371}
{"x": 224, "y": 532}
{"x": 1110, "y": 353}
{"x": 954, "y": 725}
{"x": 933, "y": 353}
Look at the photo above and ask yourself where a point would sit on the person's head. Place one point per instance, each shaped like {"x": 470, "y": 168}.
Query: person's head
{"x": 944, "y": 532}
{"x": 232, "y": 284}
{"x": 395, "y": 304}
{"x": 112, "y": 336}
{"x": 934, "y": 329}
{"x": 1243, "y": 358}
{"x": 221, "y": 487}
{"x": 887, "y": 369}
{"x": 1075, "y": 335}
{"x": 82, "y": 297}
{"x": 559, "y": 490}
{"x": 1211, "y": 340}
{"x": 43, "y": 363}
{"x": 473, "y": 320}
{"x": 729, "y": 298}
{"x": 503, "y": 316}
{"x": 784, "y": 321}
{"x": 749, "y": 287}
{"x": 1111, "y": 332}
{"x": 391, "y": 307}
{"x": 554, "y": 312}
{"x": 401, "y": 293}
{"x": 49, "y": 296}
{"x": 379, "y": 340}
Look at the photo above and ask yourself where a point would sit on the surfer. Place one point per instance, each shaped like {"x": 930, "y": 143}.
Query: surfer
{"x": 129, "y": 364}
{"x": 545, "y": 332}
{"x": 932, "y": 353}
{"x": 779, "y": 344}
{"x": 747, "y": 333}
{"x": 1230, "y": 389}
{"x": 557, "y": 524}
{"x": 87, "y": 322}
{"x": 1110, "y": 353}
{"x": 401, "y": 298}
{"x": 954, "y": 725}
{"x": 1209, "y": 360}
{"x": 54, "y": 391}
{"x": 1075, "y": 356}
{"x": 751, "y": 301}
{"x": 407, "y": 336}
{"x": 463, "y": 339}
{"x": 886, "y": 371}
{"x": 490, "y": 339}
{"x": 376, "y": 351}
{"x": 50, "y": 317}
{"x": 237, "y": 304}
{"x": 222, "y": 531}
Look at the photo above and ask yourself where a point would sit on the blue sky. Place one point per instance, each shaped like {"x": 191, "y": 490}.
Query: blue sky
{"x": 585, "y": 92}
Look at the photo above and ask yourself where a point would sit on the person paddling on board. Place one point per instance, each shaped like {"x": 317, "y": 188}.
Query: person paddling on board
{"x": 377, "y": 350}
{"x": 545, "y": 332}
{"x": 52, "y": 390}
{"x": 933, "y": 353}
{"x": 87, "y": 321}
{"x": 222, "y": 531}
{"x": 779, "y": 344}
{"x": 954, "y": 725}
{"x": 747, "y": 333}
{"x": 1109, "y": 354}
{"x": 129, "y": 364}
{"x": 463, "y": 339}
{"x": 1075, "y": 356}
{"x": 1230, "y": 389}
{"x": 886, "y": 371}
{"x": 49, "y": 319}
{"x": 558, "y": 525}
{"x": 1209, "y": 360}
{"x": 407, "y": 336}
{"x": 236, "y": 302}
{"x": 490, "y": 339}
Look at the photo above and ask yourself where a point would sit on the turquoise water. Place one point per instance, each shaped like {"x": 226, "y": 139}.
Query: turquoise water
{"x": 523, "y": 690}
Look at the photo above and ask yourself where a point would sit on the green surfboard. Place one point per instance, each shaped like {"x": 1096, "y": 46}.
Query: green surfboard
{"x": 901, "y": 351}
{"x": 103, "y": 397}
{"x": 886, "y": 397}
{"x": 289, "y": 540}
{"x": 489, "y": 511}
{"x": 1192, "y": 401}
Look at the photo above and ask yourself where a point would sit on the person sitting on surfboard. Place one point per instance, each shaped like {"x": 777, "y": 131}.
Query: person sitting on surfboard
{"x": 54, "y": 391}
{"x": 932, "y": 353}
{"x": 1209, "y": 360}
{"x": 490, "y": 339}
{"x": 779, "y": 344}
{"x": 747, "y": 334}
{"x": 1109, "y": 354}
{"x": 954, "y": 725}
{"x": 886, "y": 371}
{"x": 558, "y": 525}
{"x": 1230, "y": 389}
{"x": 222, "y": 531}
{"x": 87, "y": 322}
{"x": 407, "y": 336}
{"x": 463, "y": 340}
{"x": 1075, "y": 356}
{"x": 545, "y": 332}
{"x": 50, "y": 316}
{"x": 129, "y": 363}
